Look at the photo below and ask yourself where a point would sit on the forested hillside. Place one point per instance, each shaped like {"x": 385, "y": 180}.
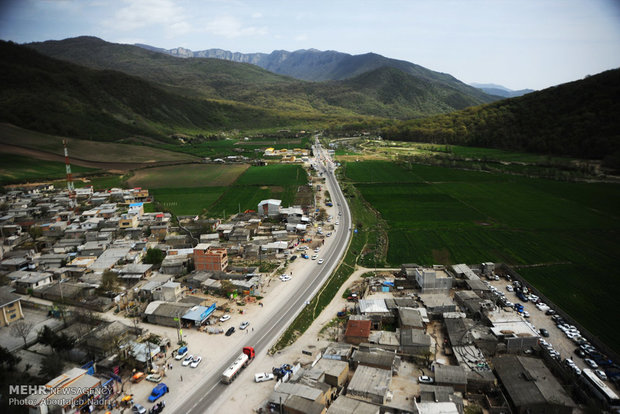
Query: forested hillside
{"x": 579, "y": 119}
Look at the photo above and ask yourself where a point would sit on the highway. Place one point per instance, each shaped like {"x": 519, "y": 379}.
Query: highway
{"x": 264, "y": 336}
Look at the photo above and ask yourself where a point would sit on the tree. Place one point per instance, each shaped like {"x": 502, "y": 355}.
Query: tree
{"x": 46, "y": 336}
{"x": 109, "y": 280}
{"x": 63, "y": 342}
{"x": 154, "y": 256}
{"x": 7, "y": 359}
{"x": 51, "y": 367}
{"x": 21, "y": 329}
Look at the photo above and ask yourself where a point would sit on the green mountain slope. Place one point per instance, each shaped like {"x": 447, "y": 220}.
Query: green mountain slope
{"x": 579, "y": 119}
{"x": 249, "y": 84}
{"x": 52, "y": 96}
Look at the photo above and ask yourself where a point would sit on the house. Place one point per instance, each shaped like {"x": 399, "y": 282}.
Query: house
{"x": 414, "y": 342}
{"x": 14, "y": 263}
{"x": 370, "y": 384}
{"x": 346, "y": 405}
{"x": 335, "y": 373}
{"x": 430, "y": 280}
{"x": 269, "y": 208}
{"x": 33, "y": 280}
{"x": 135, "y": 271}
{"x": 10, "y": 307}
{"x": 169, "y": 292}
{"x": 210, "y": 259}
{"x": 357, "y": 331}
{"x": 452, "y": 376}
{"x": 66, "y": 393}
{"x": 165, "y": 313}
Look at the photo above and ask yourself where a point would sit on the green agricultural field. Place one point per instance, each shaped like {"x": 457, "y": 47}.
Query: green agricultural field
{"x": 187, "y": 200}
{"x": 188, "y": 175}
{"x": 444, "y": 216}
{"x": 274, "y": 174}
{"x": 19, "y": 169}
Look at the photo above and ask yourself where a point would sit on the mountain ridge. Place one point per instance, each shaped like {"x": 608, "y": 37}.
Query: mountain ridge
{"x": 499, "y": 90}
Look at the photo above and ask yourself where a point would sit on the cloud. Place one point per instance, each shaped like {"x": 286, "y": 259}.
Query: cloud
{"x": 228, "y": 26}
{"x": 139, "y": 14}
{"x": 301, "y": 37}
{"x": 257, "y": 15}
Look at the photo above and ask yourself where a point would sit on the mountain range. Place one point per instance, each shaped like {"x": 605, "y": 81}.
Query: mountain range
{"x": 499, "y": 90}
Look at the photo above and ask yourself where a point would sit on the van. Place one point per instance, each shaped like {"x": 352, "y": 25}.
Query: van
{"x": 181, "y": 353}
{"x": 158, "y": 391}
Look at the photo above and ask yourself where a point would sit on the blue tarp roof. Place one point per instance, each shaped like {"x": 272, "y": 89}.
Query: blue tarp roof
{"x": 199, "y": 313}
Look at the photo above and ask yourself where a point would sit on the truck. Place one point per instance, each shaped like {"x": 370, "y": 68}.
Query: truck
{"x": 242, "y": 361}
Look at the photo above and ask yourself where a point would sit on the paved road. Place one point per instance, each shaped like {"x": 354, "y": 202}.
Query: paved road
{"x": 264, "y": 336}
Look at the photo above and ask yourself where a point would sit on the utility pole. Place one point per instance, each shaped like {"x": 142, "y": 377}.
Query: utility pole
{"x": 70, "y": 186}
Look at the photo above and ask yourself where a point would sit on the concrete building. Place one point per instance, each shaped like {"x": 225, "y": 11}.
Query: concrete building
{"x": 530, "y": 387}
{"x": 414, "y": 342}
{"x": 210, "y": 259}
{"x": 357, "y": 331}
{"x": 164, "y": 313}
{"x": 33, "y": 280}
{"x": 370, "y": 384}
{"x": 10, "y": 307}
{"x": 346, "y": 405}
{"x": 434, "y": 280}
{"x": 452, "y": 376}
{"x": 269, "y": 208}
{"x": 168, "y": 292}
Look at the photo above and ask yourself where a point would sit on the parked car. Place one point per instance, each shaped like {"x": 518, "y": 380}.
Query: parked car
{"x": 314, "y": 256}
{"x": 230, "y": 331}
{"x": 424, "y": 379}
{"x": 244, "y": 325}
{"x": 320, "y": 261}
{"x": 601, "y": 374}
{"x": 579, "y": 352}
{"x": 509, "y": 288}
{"x": 137, "y": 377}
{"x": 188, "y": 360}
{"x": 544, "y": 332}
{"x": 550, "y": 312}
{"x": 263, "y": 376}
{"x": 154, "y": 377}
{"x": 138, "y": 409}
{"x": 305, "y": 256}
{"x": 285, "y": 278}
{"x": 195, "y": 361}
{"x": 591, "y": 363}
{"x": 181, "y": 353}
{"x": 293, "y": 258}
{"x": 224, "y": 318}
{"x": 159, "y": 390}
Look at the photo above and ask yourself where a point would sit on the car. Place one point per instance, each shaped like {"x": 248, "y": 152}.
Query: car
{"x": 195, "y": 361}
{"x": 337, "y": 223}
{"x": 317, "y": 250}
{"x": 601, "y": 374}
{"x": 425, "y": 379}
{"x": 224, "y": 318}
{"x": 137, "y": 377}
{"x": 509, "y": 288}
{"x": 158, "y": 391}
{"x": 591, "y": 363}
{"x": 230, "y": 331}
{"x": 544, "y": 332}
{"x": 305, "y": 256}
{"x": 154, "y": 377}
{"x": 138, "y": 409}
{"x": 181, "y": 353}
{"x": 263, "y": 376}
{"x": 579, "y": 352}
{"x": 293, "y": 258}
{"x": 328, "y": 234}
{"x": 576, "y": 370}
{"x": 550, "y": 312}
{"x": 188, "y": 360}
{"x": 314, "y": 256}
{"x": 320, "y": 261}
{"x": 244, "y": 325}
{"x": 285, "y": 278}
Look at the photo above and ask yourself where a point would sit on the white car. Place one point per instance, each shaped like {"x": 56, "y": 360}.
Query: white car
{"x": 591, "y": 363}
{"x": 509, "y": 288}
{"x": 526, "y": 314}
{"x": 314, "y": 256}
{"x": 320, "y": 261}
{"x": 424, "y": 379}
{"x": 188, "y": 360}
{"x": 285, "y": 278}
{"x": 244, "y": 325}
{"x": 601, "y": 374}
{"x": 337, "y": 223}
{"x": 317, "y": 250}
{"x": 224, "y": 318}
{"x": 263, "y": 376}
{"x": 195, "y": 362}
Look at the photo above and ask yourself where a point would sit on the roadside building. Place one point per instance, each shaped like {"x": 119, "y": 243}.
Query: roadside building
{"x": 357, "y": 331}
{"x": 530, "y": 387}
{"x": 165, "y": 313}
{"x": 168, "y": 292}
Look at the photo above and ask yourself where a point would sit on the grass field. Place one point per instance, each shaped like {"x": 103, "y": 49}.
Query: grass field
{"x": 189, "y": 175}
{"x": 19, "y": 169}
{"x": 279, "y": 181}
{"x": 443, "y": 216}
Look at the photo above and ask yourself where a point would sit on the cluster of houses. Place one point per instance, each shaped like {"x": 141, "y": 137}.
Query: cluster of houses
{"x": 439, "y": 322}
{"x": 65, "y": 248}
{"x": 288, "y": 155}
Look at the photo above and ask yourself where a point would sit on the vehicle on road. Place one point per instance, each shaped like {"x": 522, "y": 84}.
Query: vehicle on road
{"x": 242, "y": 361}
{"x": 195, "y": 361}
{"x": 328, "y": 234}
{"x": 138, "y": 409}
{"x": 224, "y": 318}
{"x": 314, "y": 256}
{"x": 285, "y": 278}
{"x": 305, "y": 256}
{"x": 544, "y": 332}
{"x": 230, "y": 331}
{"x": 292, "y": 259}
{"x": 159, "y": 390}
{"x": 591, "y": 363}
{"x": 509, "y": 288}
{"x": 263, "y": 376}
{"x": 181, "y": 353}
{"x": 244, "y": 325}
{"x": 320, "y": 261}
{"x": 425, "y": 379}
{"x": 579, "y": 352}
{"x": 154, "y": 377}
{"x": 188, "y": 360}
{"x": 601, "y": 374}
{"x": 137, "y": 377}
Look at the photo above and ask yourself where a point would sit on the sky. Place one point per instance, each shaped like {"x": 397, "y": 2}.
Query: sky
{"x": 518, "y": 44}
